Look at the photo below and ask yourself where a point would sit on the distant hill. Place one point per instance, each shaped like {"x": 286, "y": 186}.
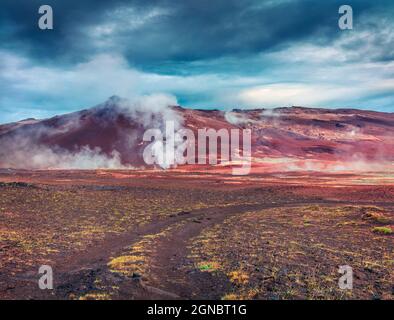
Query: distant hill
{"x": 110, "y": 135}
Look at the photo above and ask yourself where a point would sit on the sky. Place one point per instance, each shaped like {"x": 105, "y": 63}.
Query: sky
{"x": 221, "y": 54}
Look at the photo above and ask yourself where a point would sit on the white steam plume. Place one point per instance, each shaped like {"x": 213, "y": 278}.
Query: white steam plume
{"x": 24, "y": 148}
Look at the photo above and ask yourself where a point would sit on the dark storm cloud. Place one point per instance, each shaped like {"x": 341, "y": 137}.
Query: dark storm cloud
{"x": 150, "y": 32}
{"x": 207, "y": 53}
{"x": 20, "y": 18}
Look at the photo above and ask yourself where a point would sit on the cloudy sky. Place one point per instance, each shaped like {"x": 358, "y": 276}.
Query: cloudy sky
{"x": 208, "y": 53}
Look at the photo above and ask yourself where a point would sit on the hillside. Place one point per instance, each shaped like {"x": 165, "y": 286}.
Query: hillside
{"x": 110, "y": 136}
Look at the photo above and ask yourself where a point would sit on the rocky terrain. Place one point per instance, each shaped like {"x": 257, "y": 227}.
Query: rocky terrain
{"x": 75, "y": 194}
{"x": 111, "y": 136}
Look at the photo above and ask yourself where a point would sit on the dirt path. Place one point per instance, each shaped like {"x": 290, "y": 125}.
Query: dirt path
{"x": 78, "y": 273}
{"x": 170, "y": 257}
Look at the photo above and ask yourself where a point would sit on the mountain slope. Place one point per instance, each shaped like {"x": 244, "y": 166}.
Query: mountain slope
{"x": 110, "y": 136}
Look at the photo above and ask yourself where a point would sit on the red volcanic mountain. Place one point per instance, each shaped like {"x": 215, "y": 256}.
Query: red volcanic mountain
{"x": 110, "y": 136}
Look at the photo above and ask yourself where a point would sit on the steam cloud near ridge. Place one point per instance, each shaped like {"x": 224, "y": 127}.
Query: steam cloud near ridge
{"x": 23, "y": 150}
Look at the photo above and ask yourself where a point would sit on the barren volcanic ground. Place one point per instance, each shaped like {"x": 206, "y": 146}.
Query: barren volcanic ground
{"x": 118, "y": 234}
{"x": 110, "y": 135}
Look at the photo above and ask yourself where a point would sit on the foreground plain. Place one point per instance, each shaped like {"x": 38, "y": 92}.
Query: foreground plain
{"x": 182, "y": 234}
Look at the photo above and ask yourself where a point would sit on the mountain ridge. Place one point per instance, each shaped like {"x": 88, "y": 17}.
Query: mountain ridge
{"x": 114, "y": 129}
